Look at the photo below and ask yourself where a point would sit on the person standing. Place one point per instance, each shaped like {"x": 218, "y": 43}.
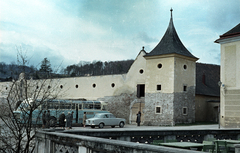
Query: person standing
{"x": 44, "y": 120}
{"x": 48, "y": 119}
{"x": 71, "y": 118}
{"x": 138, "y": 118}
{"x": 84, "y": 119}
{"x": 68, "y": 118}
{"x": 61, "y": 120}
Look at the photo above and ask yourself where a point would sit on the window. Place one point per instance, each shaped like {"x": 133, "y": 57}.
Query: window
{"x": 73, "y": 106}
{"x": 140, "y": 90}
{"x": 184, "y": 111}
{"x": 184, "y": 88}
{"x": 94, "y": 85}
{"x": 158, "y": 110}
{"x": 76, "y": 86}
{"x": 79, "y": 106}
{"x": 97, "y": 105}
{"x": 185, "y": 67}
{"x": 159, "y": 65}
{"x": 113, "y": 85}
{"x": 159, "y": 87}
{"x": 141, "y": 71}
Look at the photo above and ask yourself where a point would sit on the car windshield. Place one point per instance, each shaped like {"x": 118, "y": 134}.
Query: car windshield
{"x": 98, "y": 116}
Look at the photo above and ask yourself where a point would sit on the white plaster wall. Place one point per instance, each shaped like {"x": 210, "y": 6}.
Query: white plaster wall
{"x": 230, "y": 77}
{"x": 124, "y": 83}
{"x": 184, "y": 76}
{"x": 163, "y": 76}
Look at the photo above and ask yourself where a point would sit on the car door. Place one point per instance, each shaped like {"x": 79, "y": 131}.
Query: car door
{"x": 114, "y": 120}
{"x": 107, "y": 120}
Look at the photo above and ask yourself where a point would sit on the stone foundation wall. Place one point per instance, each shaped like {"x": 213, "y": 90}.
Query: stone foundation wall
{"x": 120, "y": 105}
{"x": 186, "y": 100}
{"x": 171, "y": 105}
{"x": 163, "y": 100}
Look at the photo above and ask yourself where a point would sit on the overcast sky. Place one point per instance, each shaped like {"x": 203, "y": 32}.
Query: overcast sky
{"x": 69, "y": 31}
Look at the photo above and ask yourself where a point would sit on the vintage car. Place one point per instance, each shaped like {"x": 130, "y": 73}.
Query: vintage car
{"x": 105, "y": 119}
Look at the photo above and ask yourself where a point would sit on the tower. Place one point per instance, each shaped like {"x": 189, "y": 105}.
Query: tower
{"x": 170, "y": 81}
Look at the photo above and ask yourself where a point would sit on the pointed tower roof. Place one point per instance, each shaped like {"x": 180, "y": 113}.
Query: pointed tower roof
{"x": 170, "y": 43}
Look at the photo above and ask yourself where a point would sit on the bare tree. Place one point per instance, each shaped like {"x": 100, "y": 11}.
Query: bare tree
{"x": 19, "y": 101}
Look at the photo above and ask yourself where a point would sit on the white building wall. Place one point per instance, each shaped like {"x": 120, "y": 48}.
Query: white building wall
{"x": 230, "y": 79}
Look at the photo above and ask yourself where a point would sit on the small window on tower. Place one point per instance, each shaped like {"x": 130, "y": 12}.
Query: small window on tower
{"x": 159, "y": 87}
{"x": 185, "y": 67}
{"x": 184, "y": 88}
{"x": 159, "y": 65}
{"x": 184, "y": 111}
{"x": 158, "y": 110}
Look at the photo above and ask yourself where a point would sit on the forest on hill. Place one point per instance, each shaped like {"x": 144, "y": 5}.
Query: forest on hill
{"x": 83, "y": 68}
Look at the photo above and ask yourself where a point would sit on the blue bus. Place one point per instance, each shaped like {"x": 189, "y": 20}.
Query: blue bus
{"x": 57, "y": 107}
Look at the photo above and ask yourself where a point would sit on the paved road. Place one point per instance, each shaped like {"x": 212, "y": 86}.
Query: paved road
{"x": 134, "y": 127}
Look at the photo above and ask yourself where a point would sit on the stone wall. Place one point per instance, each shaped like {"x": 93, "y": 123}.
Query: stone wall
{"x": 185, "y": 99}
{"x": 120, "y": 105}
{"x": 163, "y": 100}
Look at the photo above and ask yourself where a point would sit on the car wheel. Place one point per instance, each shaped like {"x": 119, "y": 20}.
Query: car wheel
{"x": 113, "y": 126}
{"x": 92, "y": 127}
{"x": 52, "y": 122}
{"x": 101, "y": 125}
{"x": 121, "y": 124}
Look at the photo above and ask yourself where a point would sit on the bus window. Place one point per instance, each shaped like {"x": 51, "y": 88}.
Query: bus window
{"x": 97, "y": 106}
{"x": 56, "y": 106}
{"x": 53, "y": 105}
{"x": 62, "y": 106}
{"x": 86, "y": 106}
{"x": 49, "y": 106}
{"x": 73, "y": 106}
{"x": 44, "y": 107}
{"x": 79, "y": 106}
{"x": 91, "y": 106}
{"x": 67, "y": 106}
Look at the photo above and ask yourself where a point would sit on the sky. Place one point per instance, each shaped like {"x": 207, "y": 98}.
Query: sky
{"x": 69, "y": 31}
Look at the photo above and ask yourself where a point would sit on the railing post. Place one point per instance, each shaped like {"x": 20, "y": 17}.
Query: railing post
{"x": 124, "y": 138}
{"x": 206, "y": 137}
{"x": 169, "y": 137}
{"x": 82, "y": 149}
{"x": 237, "y": 148}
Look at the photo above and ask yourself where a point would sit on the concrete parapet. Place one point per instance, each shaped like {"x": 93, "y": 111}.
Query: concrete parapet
{"x": 50, "y": 141}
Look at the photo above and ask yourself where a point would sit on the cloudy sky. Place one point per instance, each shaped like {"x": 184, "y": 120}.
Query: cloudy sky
{"x": 69, "y": 31}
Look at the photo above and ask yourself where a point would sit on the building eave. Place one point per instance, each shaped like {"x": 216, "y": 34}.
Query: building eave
{"x": 171, "y": 55}
{"x": 228, "y": 39}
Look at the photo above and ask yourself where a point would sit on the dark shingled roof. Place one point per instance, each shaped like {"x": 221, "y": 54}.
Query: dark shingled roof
{"x": 207, "y": 78}
{"x": 234, "y": 32}
{"x": 170, "y": 43}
